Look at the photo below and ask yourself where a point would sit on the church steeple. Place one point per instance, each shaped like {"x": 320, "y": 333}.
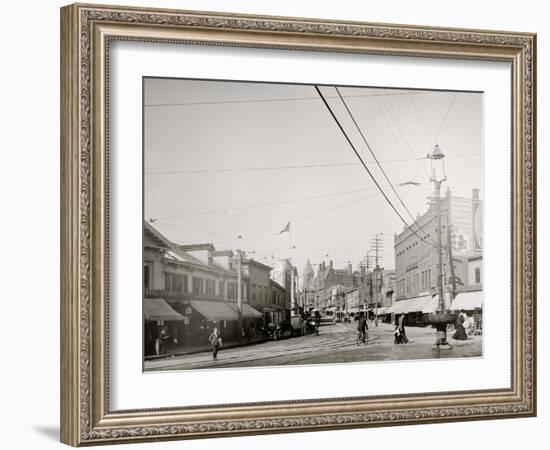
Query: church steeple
{"x": 308, "y": 270}
{"x": 308, "y": 275}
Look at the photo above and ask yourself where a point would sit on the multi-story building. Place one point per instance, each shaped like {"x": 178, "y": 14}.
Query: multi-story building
{"x": 285, "y": 275}
{"x": 278, "y": 311}
{"x": 327, "y": 277}
{"x": 353, "y": 304}
{"x": 198, "y": 283}
{"x": 416, "y": 258}
{"x": 381, "y": 281}
{"x": 266, "y": 295}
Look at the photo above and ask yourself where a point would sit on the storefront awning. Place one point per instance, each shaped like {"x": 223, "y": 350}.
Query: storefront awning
{"x": 424, "y": 304}
{"x": 248, "y": 311}
{"x": 155, "y": 309}
{"x": 468, "y": 301}
{"x": 214, "y": 311}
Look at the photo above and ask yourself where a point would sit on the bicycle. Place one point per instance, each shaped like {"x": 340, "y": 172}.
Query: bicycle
{"x": 362, "y": 338}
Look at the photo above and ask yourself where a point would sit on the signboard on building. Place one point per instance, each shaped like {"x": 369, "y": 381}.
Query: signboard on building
{"x": 477, "y": 219}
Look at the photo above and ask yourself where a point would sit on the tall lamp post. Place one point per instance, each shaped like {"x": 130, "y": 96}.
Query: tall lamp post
{"x": 440, "y": 318}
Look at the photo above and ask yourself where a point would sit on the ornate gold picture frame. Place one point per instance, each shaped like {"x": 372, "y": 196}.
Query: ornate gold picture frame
{"x": 87, "y": 31}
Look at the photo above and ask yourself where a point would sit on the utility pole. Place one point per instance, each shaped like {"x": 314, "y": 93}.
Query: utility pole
{"x": 292, "y": 296}
{"x": 441, "y": 317}
{"x": 369, "y": 279}
{"x": 239, "y": 294}
{"x": 376, "y": 245}
{"x": 451, "y": 262}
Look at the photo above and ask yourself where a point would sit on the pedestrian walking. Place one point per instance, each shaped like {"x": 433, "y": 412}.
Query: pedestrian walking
{"x": 362, "y": 328}
{"x": 216, "y": 342}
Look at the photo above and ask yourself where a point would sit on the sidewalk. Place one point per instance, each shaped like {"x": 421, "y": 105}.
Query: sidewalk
{"x": 191, "y": 349}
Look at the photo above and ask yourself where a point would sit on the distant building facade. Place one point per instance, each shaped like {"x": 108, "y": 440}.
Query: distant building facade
{"x": 266, "y": 295}
{"x": 285, "y": 275}
{"x": 327, "y": 277}
{"x": 307, "y": 287}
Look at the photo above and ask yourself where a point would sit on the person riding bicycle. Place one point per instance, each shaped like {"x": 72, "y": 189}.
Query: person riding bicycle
{"x": 362, "y": 327}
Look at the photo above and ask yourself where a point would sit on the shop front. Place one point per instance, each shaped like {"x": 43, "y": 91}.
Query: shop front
{"x": 471, "y": 303}
{"x": 202, "y": 316}
{"x": 160, "y": 326}
{"x": 415, "y": 309}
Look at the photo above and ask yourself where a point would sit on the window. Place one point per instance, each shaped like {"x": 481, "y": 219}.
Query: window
{"x": 147, "y": 275}
{"x": 231, "y": 291}
{"x": 210, "y": 287}
{"x": 221, "y": 289}
{"x": 175, "y": 282}
{"x": 198, "y": 285}
{"x": 178, "y": 283}
{"x": 478, "y": 275}
{"x": 168, "y": 281}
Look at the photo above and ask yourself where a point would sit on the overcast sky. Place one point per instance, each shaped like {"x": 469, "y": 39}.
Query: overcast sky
{"x": 229, "y": 159}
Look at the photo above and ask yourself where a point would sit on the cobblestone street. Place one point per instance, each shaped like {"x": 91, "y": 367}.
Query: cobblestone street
{"x": 336, "y": 343}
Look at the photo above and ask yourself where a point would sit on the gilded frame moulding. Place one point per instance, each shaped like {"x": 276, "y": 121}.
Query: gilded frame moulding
{"x": 86, "y": 31}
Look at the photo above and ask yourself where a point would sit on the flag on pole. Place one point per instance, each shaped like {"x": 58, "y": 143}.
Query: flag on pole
{"x": 285, "y": 229}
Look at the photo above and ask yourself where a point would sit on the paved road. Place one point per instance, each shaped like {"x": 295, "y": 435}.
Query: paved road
{"x": 336, "y": 343}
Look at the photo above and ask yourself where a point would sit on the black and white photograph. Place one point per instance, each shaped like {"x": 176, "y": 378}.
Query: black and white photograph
{"x": 298, "y": 224}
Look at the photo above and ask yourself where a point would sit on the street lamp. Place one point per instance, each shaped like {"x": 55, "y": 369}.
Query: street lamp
{"x": 437, "y": 165}
{"x": 440, "y": 318}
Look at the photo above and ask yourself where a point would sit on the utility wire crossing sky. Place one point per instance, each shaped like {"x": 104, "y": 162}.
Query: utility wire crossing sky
{"x": 233, "y": 162}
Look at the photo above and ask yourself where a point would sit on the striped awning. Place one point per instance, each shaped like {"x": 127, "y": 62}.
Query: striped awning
{"x": 156, "y": 309}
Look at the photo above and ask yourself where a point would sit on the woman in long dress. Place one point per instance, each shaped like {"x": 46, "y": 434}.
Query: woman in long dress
{"x": 460, "y": 333}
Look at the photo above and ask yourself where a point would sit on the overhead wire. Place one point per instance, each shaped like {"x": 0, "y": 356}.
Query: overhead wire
{"x": 378, "y": 163}
{"x": 305, "y": 166}
{"x": 261, "y": 205}
{"x": 408, "y": 139}
{"x": 445, "y": 118}
{"x": 364, "y": 165}
{"x": 393, "y": 128}
{"x": 274, "y": 99}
